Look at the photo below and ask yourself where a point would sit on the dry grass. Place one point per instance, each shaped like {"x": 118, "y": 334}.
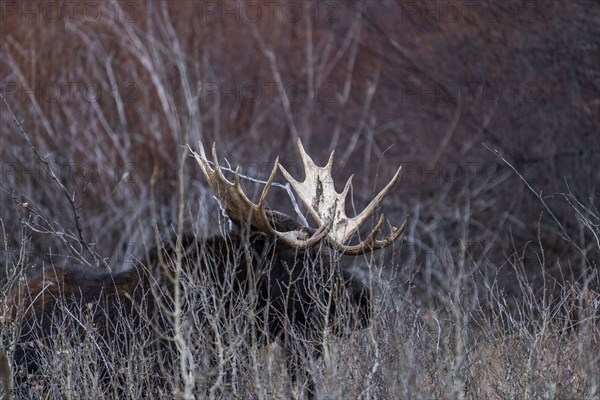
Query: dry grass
{"x": 458, "y": 349}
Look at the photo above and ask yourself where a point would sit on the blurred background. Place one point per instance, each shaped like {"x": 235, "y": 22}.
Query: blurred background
{"x": 491, "y": 107}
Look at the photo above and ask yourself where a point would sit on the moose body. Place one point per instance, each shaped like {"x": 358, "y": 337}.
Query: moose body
{"x": 287, "y": 295}
{"x": 286, "y": 278}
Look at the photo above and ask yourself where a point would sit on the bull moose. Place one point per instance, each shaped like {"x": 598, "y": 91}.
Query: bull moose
{"x": 287, "y": 275}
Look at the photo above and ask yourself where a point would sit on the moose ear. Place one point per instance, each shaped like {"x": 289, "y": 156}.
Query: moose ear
{"x": 282, "y": 222}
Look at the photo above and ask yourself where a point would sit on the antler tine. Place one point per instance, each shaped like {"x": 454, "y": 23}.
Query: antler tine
{"x": 318, "y": 194}
{"x": 361, "y": 218}
{"x": 312, "y": 195}
{"x": 371, "y": 243}
{"x": 241, "y": 209}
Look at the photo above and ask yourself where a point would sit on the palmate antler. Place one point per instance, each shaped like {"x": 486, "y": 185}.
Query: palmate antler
{"x": 241, "y": 209}
{"x": 319, "y": 196}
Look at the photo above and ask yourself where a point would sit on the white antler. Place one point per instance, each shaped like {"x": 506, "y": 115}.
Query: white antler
{"x": 241, "y": 209}
{"x": 318, "y": 194}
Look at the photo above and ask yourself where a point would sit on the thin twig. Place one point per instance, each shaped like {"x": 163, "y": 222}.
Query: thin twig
{"x": 50, "y": 171}
{"x": 270, "y": 54}
{"x": 563, "y": 232}
{"x": 284, "y": 186}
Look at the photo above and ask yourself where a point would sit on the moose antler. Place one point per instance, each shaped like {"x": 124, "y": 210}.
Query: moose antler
{"x": 319, "y": 196}
{"x": 241, "y": 209}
